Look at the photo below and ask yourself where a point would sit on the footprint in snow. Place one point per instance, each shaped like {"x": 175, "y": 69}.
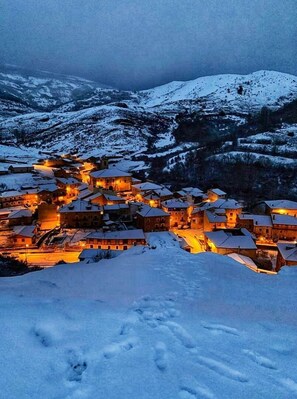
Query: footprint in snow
{"x": 259, "y": 359}
{"x": 76, "y": 366}
{"x": 117, "y": 348}
{"x": 222, "y": 369}
{"x": 188, "y": 392}
{"x": 220, "y": 328}
{"x": 160, "y": 357}
{"x": 180, "y": 334}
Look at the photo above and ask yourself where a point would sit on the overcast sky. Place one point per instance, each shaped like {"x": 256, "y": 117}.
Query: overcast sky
{"x": 136, "y": 44}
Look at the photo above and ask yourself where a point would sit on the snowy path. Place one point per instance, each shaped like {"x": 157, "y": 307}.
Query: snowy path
{"x": 152, "y": 323}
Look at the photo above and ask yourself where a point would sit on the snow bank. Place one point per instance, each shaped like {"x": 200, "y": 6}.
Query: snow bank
{"x": 151, "y": 323}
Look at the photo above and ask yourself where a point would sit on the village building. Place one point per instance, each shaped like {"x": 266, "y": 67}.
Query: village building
{"x": 50, "y": 193}
{"x": 115, "y": 240}
{"x": 104, "y": 198}
{"x": 259, "y": 225}
{"x": 70, "y": 185}
{"x": 84, "y": 194}
{"x": 287, "y": 254}
{"x": 282, "y": 207}
{"x": 284, "y": 227}
{"x": 11, "y": 198}
{"x": 214, "y": 219}
{"x": 24, "y": 236}
{"x": 20, "y": 168}
{"x": 193, "y": 195}
{"x": 152, "y": 219}
{"x": 155, "y": 197}
{"x": 232, "y": 209}
{"x": 179, "y": 212}
{"x": 48, "y": 217}
{"x": 231, "y": 240}
{"x": 111, "y": 179}
{"x": 197, "y": 218}
{"x": 20, "y": 217}
{"x": 119, "y": 212}
{"x": 141, "y": 190}
{"x": 80, "y": 213}
{"x": 214, "y": 194}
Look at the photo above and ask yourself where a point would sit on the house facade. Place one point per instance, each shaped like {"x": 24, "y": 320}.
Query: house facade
{"x": 80, "y": 213}
{"x": 115, "y": 240}
{"x": 111, "y": 179}
{"x": 152, "y": 219}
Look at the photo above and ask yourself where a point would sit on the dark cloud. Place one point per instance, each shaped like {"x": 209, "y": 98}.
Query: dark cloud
{"x": 141, "y": 43}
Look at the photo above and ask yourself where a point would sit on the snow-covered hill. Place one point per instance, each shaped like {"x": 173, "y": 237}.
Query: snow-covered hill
{"x": 152, "y": 323}
{"x": 235, "y": 92}
{"x": 55, "y": 112}
{"x": 41, "y": 90}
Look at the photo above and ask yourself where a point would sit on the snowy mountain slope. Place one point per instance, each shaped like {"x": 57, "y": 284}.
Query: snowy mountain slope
{"x": 152, "y": 323}
{"x": 106, "y": 129}
{"x": 98, "y": 121}
{"x": 43, "y": 90}
{"x": 268, "y": 88}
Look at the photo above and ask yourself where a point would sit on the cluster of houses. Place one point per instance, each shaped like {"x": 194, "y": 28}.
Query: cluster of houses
{"x": 93, "y": 193}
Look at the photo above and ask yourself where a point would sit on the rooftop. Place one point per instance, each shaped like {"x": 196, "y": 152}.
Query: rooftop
{"x": 236, "y": 239}
{"x": 147, "y": 211}
{"x": 175, "y": 204}
{"x": 288, "y": 250}
{"x": 217, "y": 191}
{"x": 25, "y": 231}
{"x": 111, "y": 172}
{"x": 283, "y": 219}
{"x": 80, "y": 205}
{"x": 281, "y": 204}
{"x": 258, "y": 220}
{"x": 147, "y": 186}
{"x": 19, "y": 213}
{"x": 118, "y": 235}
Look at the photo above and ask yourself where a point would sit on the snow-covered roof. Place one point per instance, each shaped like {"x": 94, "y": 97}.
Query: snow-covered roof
{"x": 213, "y": 217}
{"x": 118, "y": 235}
{"x": 288, "y": 251}
{"x": 194, "y": 191}
{"x": 111, "y": 172}
{"x": 222, "y": 204}
{"x": 244, "y": 260}
{"x": 11, "y": 193}
{"x": 86, "y": 193}
{"x": 111, "y": 197}
{"x": 25, "y": 231}
{"x": 282, "y": 204}
{"x": 225, "y": 239}
{"x": 258, "y": 220}
{"x": 115, "y": 207}
{"x": 284, "y": 219}
{"x": 147, "y": 186}
{"x": 20, "y": 213}
{"x": 175, "y": 204}
{"x": 68, "y": 180}
{"x": 48, "y": 187}
{"x": 217, "y": 191}
{"x": 148, "y": 211}
{"x": 162, "y": 192}
{"x": 80, "y": 206}
{"x": 152, "y": 196}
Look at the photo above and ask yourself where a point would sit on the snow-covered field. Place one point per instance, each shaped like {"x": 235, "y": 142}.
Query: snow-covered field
{"x": 151, "y": 323}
